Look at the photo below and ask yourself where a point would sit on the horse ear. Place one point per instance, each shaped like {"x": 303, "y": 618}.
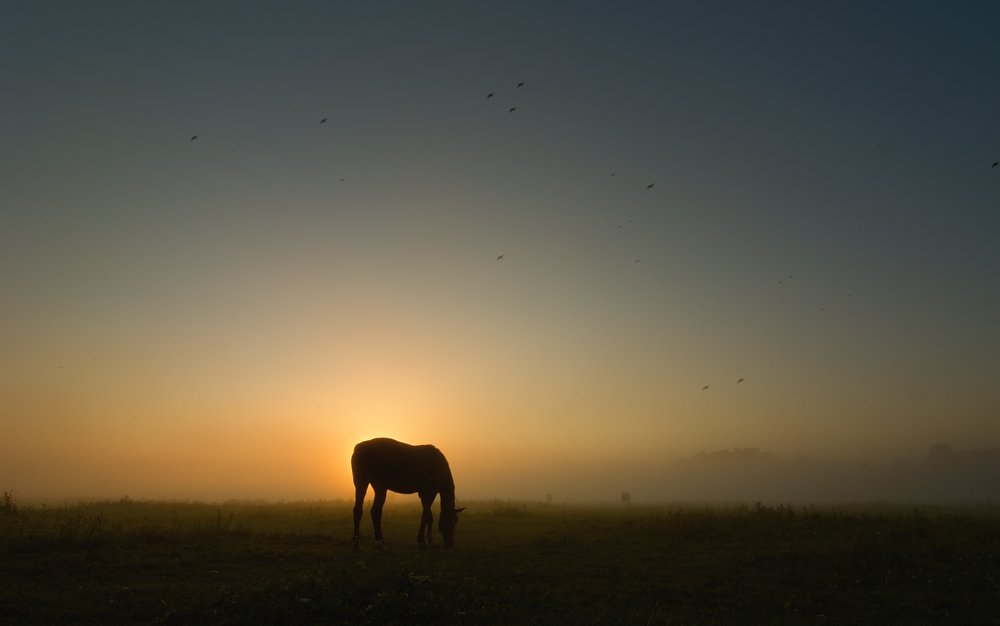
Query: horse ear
{"x": 460, "y": 510}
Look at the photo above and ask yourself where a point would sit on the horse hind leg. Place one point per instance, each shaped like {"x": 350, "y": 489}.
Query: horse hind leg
{"x": 359, "y": 504}
{"x": 376, "y": 514}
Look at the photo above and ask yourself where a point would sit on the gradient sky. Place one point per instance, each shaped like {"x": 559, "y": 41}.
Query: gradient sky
{"x": 226, "y": 317}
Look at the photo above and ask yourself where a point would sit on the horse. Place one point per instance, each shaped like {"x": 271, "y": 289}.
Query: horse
{"x": 390, "y": 465}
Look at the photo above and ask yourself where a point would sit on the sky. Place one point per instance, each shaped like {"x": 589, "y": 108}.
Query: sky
{"x": 226, "y": 316}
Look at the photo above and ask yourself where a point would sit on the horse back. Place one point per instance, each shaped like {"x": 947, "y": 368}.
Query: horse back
{"x": 396, "y": 466}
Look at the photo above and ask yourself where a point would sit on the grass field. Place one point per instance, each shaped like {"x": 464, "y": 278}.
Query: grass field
{"x": 514, "y": 563}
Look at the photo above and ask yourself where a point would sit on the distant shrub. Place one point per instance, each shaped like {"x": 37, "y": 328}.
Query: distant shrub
{"x": 8, "y": 506}
{"x": 510, "y": 510}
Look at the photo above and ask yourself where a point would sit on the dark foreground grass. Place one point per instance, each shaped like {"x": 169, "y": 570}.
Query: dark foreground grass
{"x": 140, "y": 562}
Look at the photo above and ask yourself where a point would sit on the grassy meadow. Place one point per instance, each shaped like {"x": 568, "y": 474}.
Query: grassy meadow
{"x": 514, "y": 563}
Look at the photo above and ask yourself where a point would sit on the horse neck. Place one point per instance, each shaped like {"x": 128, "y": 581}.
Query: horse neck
{"x": 448, "y": 498}
{"x": 447, "y": 487}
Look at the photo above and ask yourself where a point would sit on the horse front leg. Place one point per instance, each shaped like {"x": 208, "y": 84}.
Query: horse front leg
{"x": 426, "y": 522}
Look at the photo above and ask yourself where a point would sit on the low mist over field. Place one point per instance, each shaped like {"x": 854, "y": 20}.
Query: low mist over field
{"x": 939, "y": 475}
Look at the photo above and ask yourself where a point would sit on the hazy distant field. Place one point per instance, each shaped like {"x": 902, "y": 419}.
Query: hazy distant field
{"x": 514, "y": 563}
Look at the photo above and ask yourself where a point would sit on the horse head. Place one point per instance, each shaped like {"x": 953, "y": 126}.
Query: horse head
{"x": 449, "y": 518}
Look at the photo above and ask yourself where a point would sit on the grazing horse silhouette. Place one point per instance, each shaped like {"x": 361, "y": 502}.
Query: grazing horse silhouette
{"x": 387, "y": 464}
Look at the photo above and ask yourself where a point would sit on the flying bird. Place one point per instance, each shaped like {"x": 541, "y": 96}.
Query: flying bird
{"x": 323, "y": 121}
{"x": 193, "y": 137}
{"x": 491, "y": 94}
{"x": 705, "y": 388}
{"x": 650, "y": 186}
{"x": 739, "y": 381}
{"x": 500, "y": 258}
{"x": 995, "y": 164}
{"x": 511, "y": 109}
{"x": 614, "y": 174}
{"x": 520, "y": 84}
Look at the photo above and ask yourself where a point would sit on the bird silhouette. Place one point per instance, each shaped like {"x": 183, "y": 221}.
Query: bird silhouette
{"x": 491, "y": 94}
{"x": 323, "y": 121}
{"x": 511, "y": 109}
{"x": 739, "y": 381}
{"x": 705, "y": 388}
{"x": 520, "y": 84}
{"x": 193, "y": 137}
{"x": 614, "y": 174}
{"x": 650, "y": 186}
{"x": 995, "y": 164}
{"x": 500, "y": 258}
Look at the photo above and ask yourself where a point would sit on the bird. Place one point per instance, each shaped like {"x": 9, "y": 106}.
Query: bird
{"x": 636, "y": 261}
{"x": 650, "y": 186}
{"x": 705, "y": 388}
{"x": 739, "y": 381}
{"x": 491, "y": 94}
{"x": 520, "y": 84}
{"x": 995, "y": 164}
{"x": 500, "y": 258}
{"x": 614, "y": 173}
{"x": 323, "y": 121}
{"x": 511, "y": 109}
{"x": 193, "y": 137}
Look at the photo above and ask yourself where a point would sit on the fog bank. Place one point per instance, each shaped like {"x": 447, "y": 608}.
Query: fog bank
{"x": 939, "y": 475}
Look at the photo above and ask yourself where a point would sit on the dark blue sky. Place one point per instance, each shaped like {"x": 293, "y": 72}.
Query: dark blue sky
{"x": 823, "y": 223}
